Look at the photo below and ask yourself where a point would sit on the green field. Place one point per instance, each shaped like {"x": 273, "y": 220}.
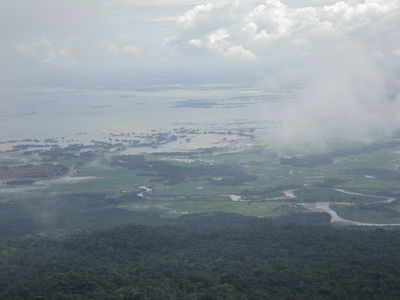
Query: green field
{"x": 203, "y": 182}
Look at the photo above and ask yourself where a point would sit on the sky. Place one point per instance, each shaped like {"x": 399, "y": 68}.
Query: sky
{"x": 344, "y": 54}
{"x": 138, "y": 42}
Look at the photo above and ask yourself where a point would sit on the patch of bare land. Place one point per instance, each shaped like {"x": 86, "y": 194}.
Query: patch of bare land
{"x": 27, "y": 172}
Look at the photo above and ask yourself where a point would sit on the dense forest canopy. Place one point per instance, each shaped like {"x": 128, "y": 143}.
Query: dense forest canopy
{"x": 206, "y": 257}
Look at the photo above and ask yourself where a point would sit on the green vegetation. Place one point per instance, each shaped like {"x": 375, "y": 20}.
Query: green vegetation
{"x": 206, "y": 257}
{"x": 183, "y": 207}
{"x": 202, "y": 180}
{"x": 371, "y": 214}
{"x": 205, "y": 224}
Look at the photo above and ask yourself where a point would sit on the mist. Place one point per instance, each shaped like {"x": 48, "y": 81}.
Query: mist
{"x": 345, "y": 97}
{"x": 342, "y": 56}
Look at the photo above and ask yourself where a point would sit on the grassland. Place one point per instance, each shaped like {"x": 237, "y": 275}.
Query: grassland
{"x": 379, "y": 215}
{"x": 203, "y": 182}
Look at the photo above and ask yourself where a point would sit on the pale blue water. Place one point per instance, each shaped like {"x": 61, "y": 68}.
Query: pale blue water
{"x": 94, "y": 114}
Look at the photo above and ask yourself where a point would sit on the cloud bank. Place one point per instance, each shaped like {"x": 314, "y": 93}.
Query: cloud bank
{"x": 342, "y": 55}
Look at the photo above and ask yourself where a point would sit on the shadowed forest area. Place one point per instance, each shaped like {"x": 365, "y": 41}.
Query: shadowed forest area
{"x": 206, "y": 257}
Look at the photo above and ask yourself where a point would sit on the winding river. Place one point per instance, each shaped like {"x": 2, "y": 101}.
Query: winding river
{"x": 325, "y": 207}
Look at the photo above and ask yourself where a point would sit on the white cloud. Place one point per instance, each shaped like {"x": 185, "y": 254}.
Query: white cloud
{"x": 272, "y": 20}
{"x": 218, "y": 36}
{"x": 45, "y": 52}
{"x": 345, "y": 54}
{"x": 192, "y": 15}
{"x": 239, "y": 52}
{"x": 251, "y": 25}
{"x": 218, "y": 42}
{"x": 196, "y": 43}
{"x": 341, "y": 53}
{"x": 100, "y": 37}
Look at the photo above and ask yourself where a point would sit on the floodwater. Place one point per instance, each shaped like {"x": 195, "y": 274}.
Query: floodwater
{"x": 91, "y": 114}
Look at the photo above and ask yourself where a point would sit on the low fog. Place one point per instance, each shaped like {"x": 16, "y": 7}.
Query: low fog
{"x": 345, "y": 97}
{"x": 342, "y": 58}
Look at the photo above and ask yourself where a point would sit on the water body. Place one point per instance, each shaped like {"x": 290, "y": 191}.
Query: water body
{"x": 384, "y": 199}
{"x": 90, "y": 114}
{"x": 325, "y": 207}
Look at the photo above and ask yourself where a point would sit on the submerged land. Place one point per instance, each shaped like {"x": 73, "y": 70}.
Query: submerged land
{"x": 169, "y": 174}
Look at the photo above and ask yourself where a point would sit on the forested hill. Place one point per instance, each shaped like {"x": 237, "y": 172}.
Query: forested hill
{"x": 205, "y": 257}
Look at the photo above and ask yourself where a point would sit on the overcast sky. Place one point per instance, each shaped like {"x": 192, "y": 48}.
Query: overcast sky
{"x": 345, "y": 55}
{"x": 124, "y": 43}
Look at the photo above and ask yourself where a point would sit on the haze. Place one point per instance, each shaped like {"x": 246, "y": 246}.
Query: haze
{"x": 341, "y": 57}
